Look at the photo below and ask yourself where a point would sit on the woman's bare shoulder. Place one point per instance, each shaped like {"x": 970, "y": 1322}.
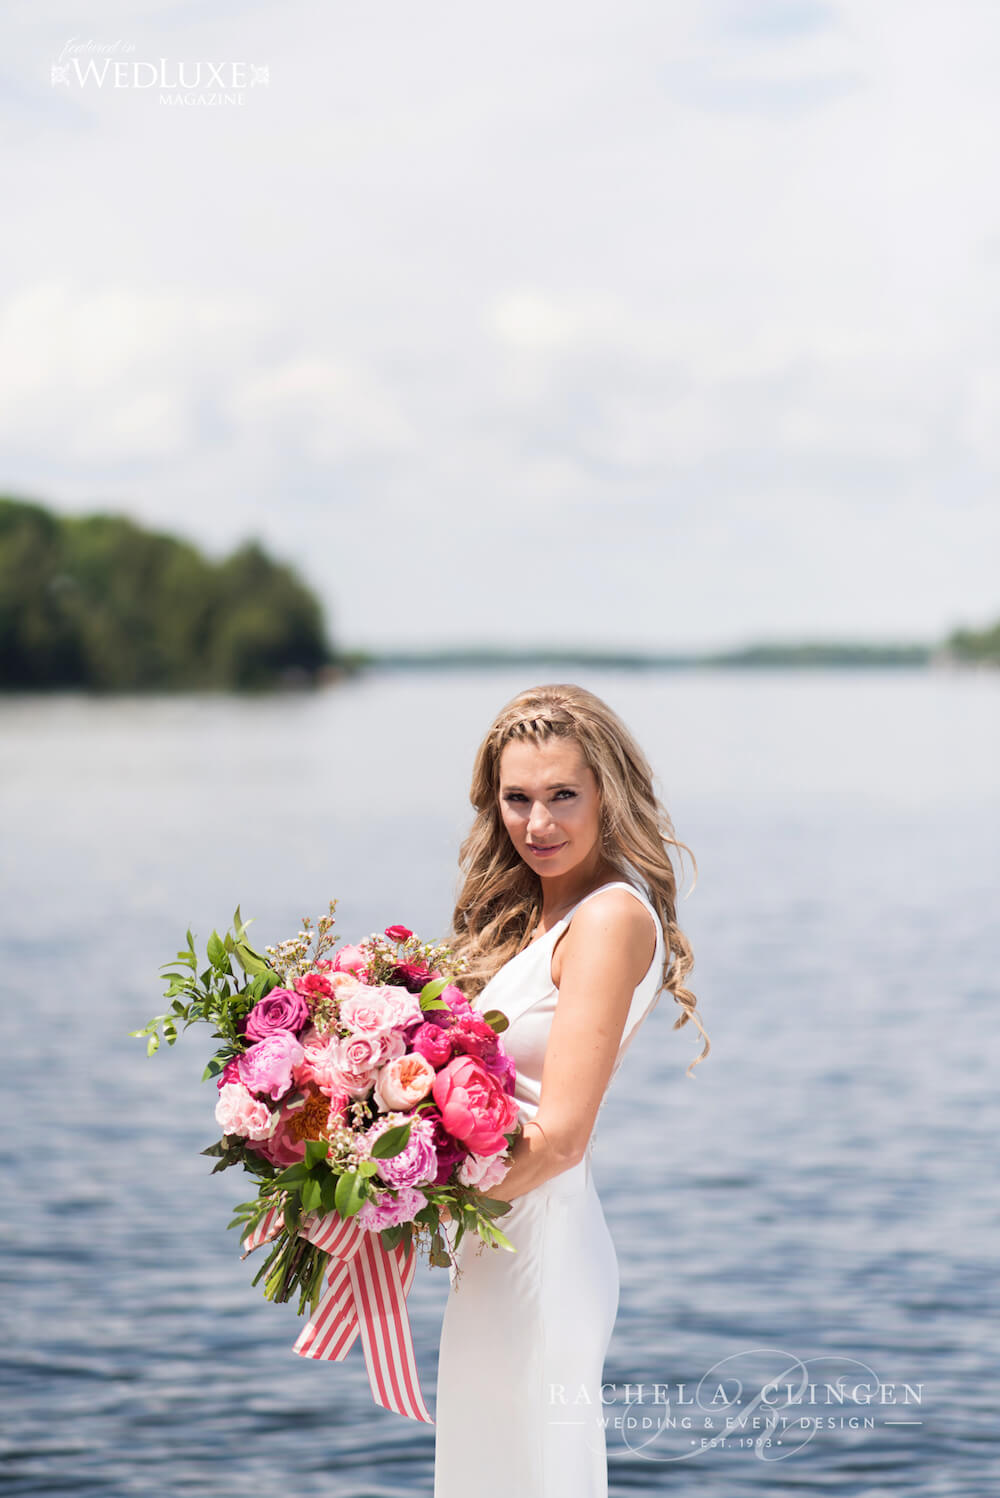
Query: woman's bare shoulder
{"x": 612, "y": 921}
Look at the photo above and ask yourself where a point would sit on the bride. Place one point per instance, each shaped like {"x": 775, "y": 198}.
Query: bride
{"x": 567, "y": 921}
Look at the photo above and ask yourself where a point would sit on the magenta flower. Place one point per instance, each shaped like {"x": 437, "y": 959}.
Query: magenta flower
{"x": 281, "y": 1009}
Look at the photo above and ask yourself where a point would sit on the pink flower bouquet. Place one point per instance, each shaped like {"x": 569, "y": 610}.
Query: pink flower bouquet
{"x": 357, "y": 1086}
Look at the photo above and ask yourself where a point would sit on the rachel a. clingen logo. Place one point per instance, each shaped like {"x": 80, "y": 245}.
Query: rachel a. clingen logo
{"x": 112, "y": 66}
{"x": 791, "y": 1406}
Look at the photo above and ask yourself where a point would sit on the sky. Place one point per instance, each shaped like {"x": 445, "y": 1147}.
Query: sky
{"x": 655, "y": 324}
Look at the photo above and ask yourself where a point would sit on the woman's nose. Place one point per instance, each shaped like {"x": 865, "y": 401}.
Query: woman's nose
{"x": 538, "y": 818}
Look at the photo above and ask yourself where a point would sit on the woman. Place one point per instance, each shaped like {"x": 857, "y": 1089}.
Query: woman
{"x": 558, "y": 936}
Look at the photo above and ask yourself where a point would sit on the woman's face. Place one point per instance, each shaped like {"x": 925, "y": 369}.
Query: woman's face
{"x": 550, "y": 804}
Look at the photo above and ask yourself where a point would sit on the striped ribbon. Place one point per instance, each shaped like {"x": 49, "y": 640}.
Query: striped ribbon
{"x": 366, "y": 1289}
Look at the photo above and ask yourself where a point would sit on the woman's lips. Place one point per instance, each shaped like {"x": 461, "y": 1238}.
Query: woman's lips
{"x": 545, "y": 852}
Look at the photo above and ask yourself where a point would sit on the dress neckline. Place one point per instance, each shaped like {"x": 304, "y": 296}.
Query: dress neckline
{"x": 612, "y": 884}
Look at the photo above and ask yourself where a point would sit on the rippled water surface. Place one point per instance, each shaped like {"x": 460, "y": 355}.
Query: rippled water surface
{"x": 818, "y": 1205}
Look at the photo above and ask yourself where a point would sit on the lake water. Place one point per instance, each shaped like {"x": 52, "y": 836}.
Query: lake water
{"x": 818, "y": 1203}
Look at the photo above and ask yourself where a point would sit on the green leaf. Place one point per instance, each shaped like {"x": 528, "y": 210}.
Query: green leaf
{"x": 221, "y": 1148}
{"x": 154, "y": 1044}
{"x": 496, "y": 1020}
{"x": 214, "y": 1067}
{"x": 328, "y": 1192}
{"x": 429, "y": 994}
{"x": 391, "y": 1236}
{"x": 217, "y": 953}
{"x": 250, "y": 961}
{"x": 293, "y": 1175}
{"x": 349, "y": 1194}
{"x": 293, "y": 1213}
{"x": 312, "y": 1194}
{"x": 392, "y": 1141}
{"x": 316, "y": 1150}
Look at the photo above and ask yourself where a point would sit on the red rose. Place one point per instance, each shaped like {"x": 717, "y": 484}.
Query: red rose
{"x": 398, "y": 933}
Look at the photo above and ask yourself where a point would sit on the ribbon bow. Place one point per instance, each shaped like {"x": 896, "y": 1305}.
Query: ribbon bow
{"x": 366, "y": 1289}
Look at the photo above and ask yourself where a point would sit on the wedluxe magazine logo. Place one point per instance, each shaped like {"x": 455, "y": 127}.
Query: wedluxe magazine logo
{"x": 112, "y": 67}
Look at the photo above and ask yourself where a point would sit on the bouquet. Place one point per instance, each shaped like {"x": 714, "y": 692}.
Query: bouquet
{"x": 364, "y": 1094}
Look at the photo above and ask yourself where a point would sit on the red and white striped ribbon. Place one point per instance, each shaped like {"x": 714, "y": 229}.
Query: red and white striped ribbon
{"x": 366, "y": 1289}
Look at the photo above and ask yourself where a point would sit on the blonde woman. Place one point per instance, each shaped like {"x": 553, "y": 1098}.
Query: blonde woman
{"x": 567, "y": 920}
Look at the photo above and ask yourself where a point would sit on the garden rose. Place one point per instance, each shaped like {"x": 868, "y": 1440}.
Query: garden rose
{"x": 239, "y": 1112}
{"x": 432, "y": 1042}
{"x": 404, "y": 1082}
{"x": 281, "y": 1009}
{"x": 474, "y": 1107}
{"x": 398, "y": 933}
{"x": 267, "y": 1066}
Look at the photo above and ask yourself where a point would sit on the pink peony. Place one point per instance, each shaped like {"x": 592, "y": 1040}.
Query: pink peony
{"x": 281, "y": 1009}
{"x": 418, "y": 1162}
{"x": 267, "y": 1066}
{"x": 239, "y": 1112}
{"x": 389, "y": 1210}
{"x": 474, "y": 1107}
{"x": 404, "y": 1082}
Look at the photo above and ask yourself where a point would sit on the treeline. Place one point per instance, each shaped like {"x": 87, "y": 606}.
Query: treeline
{"x": 97, "y": 601}
{"x": 980, "y": 646}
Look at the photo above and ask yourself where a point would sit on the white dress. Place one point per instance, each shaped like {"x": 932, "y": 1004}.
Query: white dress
{"x": 524, "y": 1335}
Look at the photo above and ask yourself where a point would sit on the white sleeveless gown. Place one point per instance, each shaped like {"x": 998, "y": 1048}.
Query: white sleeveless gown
{"x": 525, "y": 1334}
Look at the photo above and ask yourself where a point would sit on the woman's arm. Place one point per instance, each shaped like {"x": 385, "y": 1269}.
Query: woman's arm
{"x": 606, "y": 952}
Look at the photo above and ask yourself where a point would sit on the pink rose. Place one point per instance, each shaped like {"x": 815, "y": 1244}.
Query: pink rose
{"x": 474, "y": 1107}
{"x": 483, "y": 1171}
{"x": 239, "y": 1112}
{"x": 404, "y": 1082}
{"x": 375, "y": 1011}
{"x": 455, "y": 998}
{"x": 267, "y": 1066}
{"x": 281, "y": 1009}
{"x": 350, "y": 960}
{"x": 398, "y": 933}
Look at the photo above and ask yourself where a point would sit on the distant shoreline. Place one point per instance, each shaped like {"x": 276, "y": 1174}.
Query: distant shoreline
{"x": 909, "y": 657}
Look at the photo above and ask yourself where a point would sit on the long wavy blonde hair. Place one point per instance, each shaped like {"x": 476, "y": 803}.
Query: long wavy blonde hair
{"x": 500, "y": 900}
